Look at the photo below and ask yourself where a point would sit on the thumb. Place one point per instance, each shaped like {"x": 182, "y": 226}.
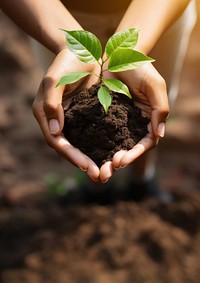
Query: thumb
{"x": 158, "y": 121}
{"x": 55, "y": 122}
{"x": 52, "y": 105}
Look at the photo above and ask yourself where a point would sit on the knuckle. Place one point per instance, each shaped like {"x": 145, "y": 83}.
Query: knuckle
{"x": 49, "y": 107}
{"x": 49, "y": 81}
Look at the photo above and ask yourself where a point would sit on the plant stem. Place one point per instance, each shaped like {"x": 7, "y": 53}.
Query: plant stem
{"x": 101, "y": 71}
{"x": 101, "y": 64}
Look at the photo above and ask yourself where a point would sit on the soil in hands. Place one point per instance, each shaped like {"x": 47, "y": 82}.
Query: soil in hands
{"x": 100, "y": 135}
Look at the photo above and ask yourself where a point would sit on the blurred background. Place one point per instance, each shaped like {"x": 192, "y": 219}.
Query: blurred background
{"x": 42, "y": 238}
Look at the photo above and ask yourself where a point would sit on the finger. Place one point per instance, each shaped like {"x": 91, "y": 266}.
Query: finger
{"x": 117, "y": 157}
{"x": 52, "y": 104}
{"x": 106, "y": 171}
{"x": 76, "y": 157}
{"x": 147, "y": 143}
{"x": 158, "y": 121}
{"x": 157, "y": 95}
{"x": 153, "y": 91}
{"x": 63, "y": 147}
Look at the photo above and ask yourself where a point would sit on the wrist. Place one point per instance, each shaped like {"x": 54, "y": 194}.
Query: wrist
{"x": 53, "y": 40}
{"x": 59, "y": 47}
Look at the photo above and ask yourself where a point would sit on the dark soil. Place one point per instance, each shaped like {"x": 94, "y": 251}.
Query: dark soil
{"x": 125, "y": 242}
{"x": 100, "y": 135}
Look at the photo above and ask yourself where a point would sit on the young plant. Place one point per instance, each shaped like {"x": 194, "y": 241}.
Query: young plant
{"x": 118, "y": 52}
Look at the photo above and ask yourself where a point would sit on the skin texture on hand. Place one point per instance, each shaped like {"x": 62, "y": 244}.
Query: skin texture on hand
{"x": 149, "y": 92}
{"x": 48, "y": 108}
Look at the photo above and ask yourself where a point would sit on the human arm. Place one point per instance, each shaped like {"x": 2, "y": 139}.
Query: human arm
{"x": 152, "y": 18}
{"x": 42, "y": 20}
{"x": 147, "y": 86}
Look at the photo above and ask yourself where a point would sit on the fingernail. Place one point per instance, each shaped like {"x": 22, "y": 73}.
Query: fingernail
{"x": 161, "y": 130}
{"x": 105, "y": 181}
{"x": 54, "y": 126}
{"x": 83, "y": 169}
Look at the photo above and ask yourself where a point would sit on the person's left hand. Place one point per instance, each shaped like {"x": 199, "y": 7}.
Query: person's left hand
{"x": 149, "y": 92}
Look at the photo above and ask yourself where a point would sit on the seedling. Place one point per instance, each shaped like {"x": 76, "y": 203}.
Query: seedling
{"x": 119, "y": 55}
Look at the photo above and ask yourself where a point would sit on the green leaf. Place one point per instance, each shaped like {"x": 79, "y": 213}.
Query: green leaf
{"x": 124, "y": 39}
{"x": 84, "y": 44}
{"x": 72, "y": 78}
{"x": 104, "y": 98}
{"x": 127, "y": 59}
{"x": 117, "y": 86}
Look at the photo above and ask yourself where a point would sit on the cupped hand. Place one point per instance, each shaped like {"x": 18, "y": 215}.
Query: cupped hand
{"x": 48, "y": 108}
{"x": 149, "y": 92}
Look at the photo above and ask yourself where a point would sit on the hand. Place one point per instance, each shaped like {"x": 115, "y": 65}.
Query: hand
{"x": 49, "y": 113}
{"x": 149, "y": 92}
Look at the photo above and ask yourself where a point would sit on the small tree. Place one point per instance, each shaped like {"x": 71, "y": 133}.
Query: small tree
{"x": 119, "y": 54}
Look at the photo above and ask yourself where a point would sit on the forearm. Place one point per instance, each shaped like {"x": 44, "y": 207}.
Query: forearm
{"x": 41, "y": 19}
{"x": 152, "y": 18}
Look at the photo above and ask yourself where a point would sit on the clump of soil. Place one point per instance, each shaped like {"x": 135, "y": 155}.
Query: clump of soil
{"x": 101, "y": 135}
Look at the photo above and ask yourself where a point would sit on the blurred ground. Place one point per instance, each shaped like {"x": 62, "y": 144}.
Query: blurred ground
{"x": 42, "y": 239}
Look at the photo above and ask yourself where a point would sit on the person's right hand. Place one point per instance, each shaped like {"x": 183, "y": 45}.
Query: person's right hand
{"x": 48, "y": 108}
